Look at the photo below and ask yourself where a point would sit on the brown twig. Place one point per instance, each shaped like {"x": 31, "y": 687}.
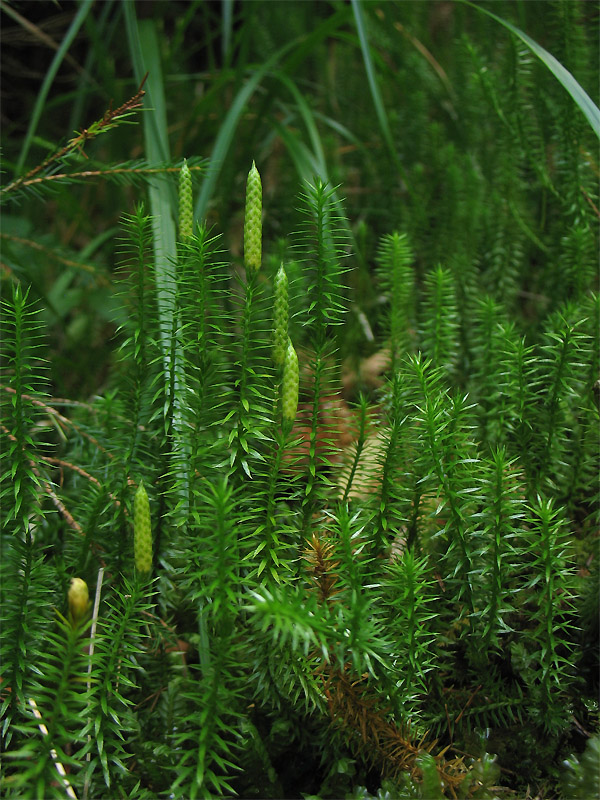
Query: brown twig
{"x": 66, "y": 514}
{"x": 101, "y": 173}
{"x": 60, "y": 418}
{"x": 467, "y": 704}
{"x": 358, "y": 712}
{"x": 109, "y": 119}
{"x": 356, "y": 709}
{"x": 80, "y": 471}
{"x": 591, "y": 202}
{"x": 102, "y": 280}
{"x": 43, "y": 37}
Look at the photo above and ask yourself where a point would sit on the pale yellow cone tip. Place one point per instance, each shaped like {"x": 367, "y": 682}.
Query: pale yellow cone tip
{"x": 79, "y": 599}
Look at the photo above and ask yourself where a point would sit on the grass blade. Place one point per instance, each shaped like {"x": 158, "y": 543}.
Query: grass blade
{"x": 587, "y": 106}
{"x": 144, "y": 49}
{"x": 375, "y": 93}
{"x": 301, "y": 47}
{"x": 228, "y": 128}
{"x": 226, "y": 31}
{"x": 145, "y": 52}
{"x": 47, "y": 83}
{"x": 309, "y": 122}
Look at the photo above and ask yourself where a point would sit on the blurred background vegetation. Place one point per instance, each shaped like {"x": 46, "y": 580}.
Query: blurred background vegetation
{"x": 431, "y": 118}
{"x": 434, "y": 120}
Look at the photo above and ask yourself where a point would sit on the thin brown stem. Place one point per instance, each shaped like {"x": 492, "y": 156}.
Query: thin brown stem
{"x": 111, "y": 117}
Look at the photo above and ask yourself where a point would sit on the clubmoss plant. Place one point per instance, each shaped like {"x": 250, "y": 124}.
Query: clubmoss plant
{"x": 374, "y": 491}
{"x": 340, "y": 627}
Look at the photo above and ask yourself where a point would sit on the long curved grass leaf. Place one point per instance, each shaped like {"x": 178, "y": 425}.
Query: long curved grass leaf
{"x": 101, "y": 32}
{"x": 325, "y": 30}
{"x": 340, "y": 129}
{"x": 50, "y": 75}
{"x": 587, "y": 106}
{"x": 145, "y": 50}
{"x": 306, "y": 163}
{"x": 143, "y": 44}
{"x": 300, "y": 48}
{"x": 374, "y": 88}
{"x": 228, "y": 128}
{"x": 309, "y": 122}
{"x": 226, "y": 30}
{"x": 310, "y": 164}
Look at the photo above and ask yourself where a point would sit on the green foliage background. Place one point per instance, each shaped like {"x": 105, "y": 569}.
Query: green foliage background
{"x": 398, "y": 596}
